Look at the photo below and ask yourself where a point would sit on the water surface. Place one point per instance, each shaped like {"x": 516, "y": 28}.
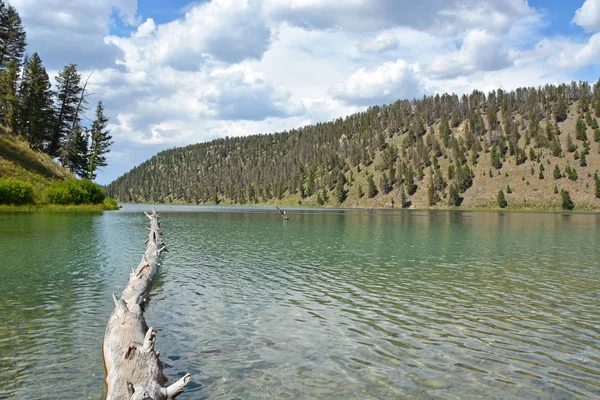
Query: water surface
{"x": 348, "y": 304}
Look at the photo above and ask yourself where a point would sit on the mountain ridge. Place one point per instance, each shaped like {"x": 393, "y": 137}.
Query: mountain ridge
{"x": 439, "y": 151}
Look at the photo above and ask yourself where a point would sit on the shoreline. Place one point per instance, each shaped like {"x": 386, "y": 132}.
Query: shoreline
{"x": 484, "y": 207}
{"x": 57, "y": 208}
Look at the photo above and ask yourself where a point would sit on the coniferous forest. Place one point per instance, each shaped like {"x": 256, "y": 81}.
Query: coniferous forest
{"x": 49, "y": 118}
{"x": 527, "y": 148}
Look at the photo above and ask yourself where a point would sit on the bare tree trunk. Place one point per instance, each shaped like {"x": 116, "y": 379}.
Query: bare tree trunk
{"x": 133, "y": 369}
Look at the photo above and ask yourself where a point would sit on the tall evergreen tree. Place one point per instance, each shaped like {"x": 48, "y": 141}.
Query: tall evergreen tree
{"x": 101, "y": 142}
{"x": 12, "y": 36}
{"x": 9, "y": 101}
{"x": 567, "y": 203}
{"x": 432, "y": 194}
{"x": 74, "y": 152}
{"x": 453, "y": 196}
{"x": 502, "y": 203}
{"x": 580, "y": 129}
{"x": 68, "y": 94}
{"x": 372, "y": 189}
{"x": 36, "y": 108}
{"x": 560, "y": 111}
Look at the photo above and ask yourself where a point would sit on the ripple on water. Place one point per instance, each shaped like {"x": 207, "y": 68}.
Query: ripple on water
{"x": 328, "y": 305}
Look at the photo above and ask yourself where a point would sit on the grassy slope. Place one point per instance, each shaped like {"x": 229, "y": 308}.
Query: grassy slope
{"x": 537, "y": 195}
{"x": 19, "y": 161}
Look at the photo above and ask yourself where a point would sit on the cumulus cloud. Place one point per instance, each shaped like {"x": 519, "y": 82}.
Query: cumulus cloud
{"x": 63, "y": 31}
{"x": 373, "y": 15}
{"x": 225, "y": 30}
{"x": 385, "y": 84}
{"x": 567, "y": 54}
{"x": 479, "y": 52}
{"x": 588, "y": 16}
{"x": 380, "y": 44}
{"x": 238, "y": 93}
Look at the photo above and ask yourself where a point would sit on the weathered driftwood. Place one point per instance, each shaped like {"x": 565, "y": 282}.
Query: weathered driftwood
{"x": 133, "y": 369}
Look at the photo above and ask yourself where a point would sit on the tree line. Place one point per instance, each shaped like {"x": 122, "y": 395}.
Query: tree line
{"x": 431, "y": 145}
{"x": 50, "y": 119}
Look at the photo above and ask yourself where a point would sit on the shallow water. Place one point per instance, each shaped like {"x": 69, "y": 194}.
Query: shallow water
{"x": 348, "y": 304}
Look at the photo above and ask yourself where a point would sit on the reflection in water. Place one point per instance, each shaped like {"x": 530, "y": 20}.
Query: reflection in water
{"x": 331, "y": 304}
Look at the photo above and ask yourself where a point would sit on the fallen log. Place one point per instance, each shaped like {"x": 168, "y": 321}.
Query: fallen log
{"x": 133, "y": 368}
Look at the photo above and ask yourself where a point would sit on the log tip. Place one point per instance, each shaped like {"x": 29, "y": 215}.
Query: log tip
{"x": 177, "y": 387}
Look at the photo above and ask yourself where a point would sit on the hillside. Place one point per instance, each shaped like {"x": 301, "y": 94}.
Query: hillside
{"x": 19, "y": 161}
{"x": 439, "y": 151}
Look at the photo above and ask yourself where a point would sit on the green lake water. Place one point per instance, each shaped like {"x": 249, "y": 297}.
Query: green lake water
{"x": 332, "y": 304}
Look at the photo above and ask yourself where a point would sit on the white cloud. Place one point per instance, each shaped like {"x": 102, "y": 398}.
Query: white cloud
{"x": 479, "y": 52}
{"x": 224, "y": 30}
{"x": 238, "y": 93}
{"x": 380, "y": 44}
{"x": 384, "y": 84}
{"x": 565, "y": 53}
{"x": 64, "y": 31}
{"x": 373, "y": 15}
{"x": 588, "y": 16}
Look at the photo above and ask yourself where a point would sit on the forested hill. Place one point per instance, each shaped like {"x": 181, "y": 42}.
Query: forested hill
{"x": 539, "y": 147}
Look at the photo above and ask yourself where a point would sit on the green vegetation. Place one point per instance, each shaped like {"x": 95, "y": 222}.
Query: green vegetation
{"x": 502, "y": 203}
{"x": 437, "y": 151}
{"x": 31, "y": 180}
{"x": 73, "y": 192}
{"x": 15, "y": 192}
{"x": 49, "y": 120}
{"x": 567, "y": 203}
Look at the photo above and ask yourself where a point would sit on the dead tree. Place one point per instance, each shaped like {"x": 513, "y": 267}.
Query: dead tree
{"x": 133, "y": 368}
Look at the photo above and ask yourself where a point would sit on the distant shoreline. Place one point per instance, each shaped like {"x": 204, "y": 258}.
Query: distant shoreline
{"x": 521, "y": 207}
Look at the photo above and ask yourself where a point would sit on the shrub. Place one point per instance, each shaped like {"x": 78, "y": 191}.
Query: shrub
{"x": 111, "y": 203}
{"x": 567, "y": 203}
{"x": 74, "y": 192}
{"x": 13, "y": 191}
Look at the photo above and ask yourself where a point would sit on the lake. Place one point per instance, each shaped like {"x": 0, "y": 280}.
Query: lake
{"x": 344, "y": 304}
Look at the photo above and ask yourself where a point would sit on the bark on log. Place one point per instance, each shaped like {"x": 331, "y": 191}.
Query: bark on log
{"x": 133, "y": 369}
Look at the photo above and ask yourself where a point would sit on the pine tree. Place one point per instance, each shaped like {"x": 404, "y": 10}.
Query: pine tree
{"x": 567, "y": 203}
{"x": 453, "y": 196}
{"x": 12, "y": 36}
{"x": 560, "y": 111}
{"x": 74, "y": 152}
{"x": 432, "y": 195}
{"x": 9, "y": 101}
{"x": 403, "y": 199}
{"x": 340, "y": 192}
{"x": 502, "y": 203}
{"x": 409, "y": 181}
{"x": 570, "y": 145}
{"x": 580, "y": 129}
{"x": 496, "y": 162}
{"x": 68, "y": 94}
{"x": 582, "y": 160}
{"x": 384, "y": 184}
{"x": 35, "y": 111}
{"x": 101, "y": 142}
{"x": 372, "y": 189}
{"x": 557, "y": 174}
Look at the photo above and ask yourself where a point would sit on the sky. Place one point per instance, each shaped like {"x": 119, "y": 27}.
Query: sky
{"x": 175, "y": 72}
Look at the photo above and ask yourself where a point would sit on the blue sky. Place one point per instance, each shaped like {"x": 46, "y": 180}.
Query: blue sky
{"x": 174, "y": 72}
